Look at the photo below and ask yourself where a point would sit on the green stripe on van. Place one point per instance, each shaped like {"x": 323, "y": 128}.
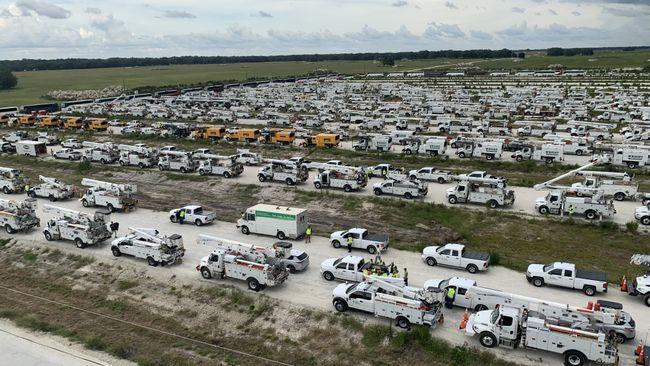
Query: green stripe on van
{"x": 275, "y": 215}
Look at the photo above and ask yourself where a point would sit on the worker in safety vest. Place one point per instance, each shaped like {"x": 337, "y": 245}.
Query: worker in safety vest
{"x": 26, "y": 188}
{"x": 350, "y": 244}
{"x": 571, "y": 210}
{"x": 449, "y": 299}
{"x": 181, "y": 216}
{"x": 369, "y": 172}
{"x": 308, "y": 234}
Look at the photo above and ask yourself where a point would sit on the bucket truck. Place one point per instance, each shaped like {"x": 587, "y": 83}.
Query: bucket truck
{"x": 640, "y": 286}
{"x": 103, "y": 152}
{"x": 177, "y": 160}
{"x": 18, "y": 216}
{"x": 11, "y": 180}
{"x": 79, "y": 227}
{"x": 150, "y": 245}
{"x": 226, "y": 166}
{"x": 110, "y": 195}
{"x": 260, "y": 267}
{"x": 283, "y": 171}
{"x": 489, "y": 191}
{"x": 610, "y": 184}
{"x": 53, "y": 189}
{"x": 139, "y": 155}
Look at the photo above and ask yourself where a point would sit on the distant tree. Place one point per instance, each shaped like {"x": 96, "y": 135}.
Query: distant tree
{"x": 7, "y": 79}
{"x": 387, "y": 60}
{"x": 555, "y": 51}
{"x": 521, "y": 55}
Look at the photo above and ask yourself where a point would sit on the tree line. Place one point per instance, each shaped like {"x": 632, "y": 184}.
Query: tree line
{"x": 82, "y": 63}
{"x": 558, "y": 51}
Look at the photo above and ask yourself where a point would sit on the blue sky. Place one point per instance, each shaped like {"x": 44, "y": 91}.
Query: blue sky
{"x": 70, "y": 28}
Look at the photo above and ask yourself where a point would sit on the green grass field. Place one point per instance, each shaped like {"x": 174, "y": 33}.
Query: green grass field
{"x": 601, "y": 59}
{"x": 33, "y": 85}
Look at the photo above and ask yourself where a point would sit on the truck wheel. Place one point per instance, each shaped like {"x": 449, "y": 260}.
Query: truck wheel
{"x": 183, "y": 170}
{"x": 432, "y": 262}
{"x": 372, "y": 249}
{"x": 202, "y": 172}
{"x": 152, "y": 262}
{"x": 480, "y": 307}
{"x": 538, "y": 282}
{"x": 441, "y": 180}
{"x": 261, "y": 178}
{"x": 487, "y": 340}
{"x": 84, "y": 203}
{"x": 328, "y": 276}
{"x": 489, "y": 157}
{"x": 102, "y": 160}
{"x": 52, "y": 198}
{"x": 619, "y": 196}
{"x": 408, "y": 195}
{"x": 590, "y": 215}
{"x": 291, "y": 269}
{"x": 198, "y": 222}
{"x": 377, "y": 192}
{"x": 452, "y": 200}
{"x": 589, "y": 290}
{"x": 472, "y": 268}
{"x": 245, "y": 230}
{"x": 205, "y": 273}
{"x": 645, "y": 220}
{"x": 402, "y": 322}
{"x": 280, "y": 235}
{"x": 493, "y": 204}
{"x": 110, "y": 207}
{"x": 122, "y": 163}
{"x": 631, "y": 165}
{"x": 9, "y": 229}
{"x": 79, "y": 243}
{"x": 619, "y": 338}
{"x": 160, "y": 167}
{"x": 519, "y": 158}
{"x": 461, "y": 154}
{"x": 347, "y": 188}
{"x": 574, "y": 358}
{"x": 253, "y": 284}
{"x": 336, "y": 244}
{"x": 549, "y": 161}
{"x": 173, "y": 218}
{"x": 6, "y": 190}
{"x": 646, "y": 300}
{"x": 48, "y": 236}
{"x": 116, "y": 252}
{"x": 543, "y": 210}
{"x": 340, "y": 305}
{"x": 289, "y": 182}
{"x": 140, "y": 165}
{"x": 226, "y": 175}
{"x": 31, "y": 194}
{"x": 408, "y": 152}
{"x": 579, "y": 152}
{"x": 317, "y": 185}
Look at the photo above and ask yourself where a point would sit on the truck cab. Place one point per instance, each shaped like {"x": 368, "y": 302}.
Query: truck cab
{"x": 567, "y": 275}
{"x": 361, "y": 239}
{"x": 193, "y": 214}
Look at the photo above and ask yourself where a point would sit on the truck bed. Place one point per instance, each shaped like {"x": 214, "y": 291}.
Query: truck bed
{"x": 591, "y": 275}
{"x": 477, "y": 256}
{"x": 382, "y": 238}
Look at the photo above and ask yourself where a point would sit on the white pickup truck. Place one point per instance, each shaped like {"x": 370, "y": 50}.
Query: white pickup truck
{"x": 431, "y": 174}
{"x": 454, "y": 255}
{"x": 350, "y": 268}
{"x": 361, "y": 239}
{"x": 642, "y": 214}
{"x": 567, "y": 275}
{"x": 193, "y": 214}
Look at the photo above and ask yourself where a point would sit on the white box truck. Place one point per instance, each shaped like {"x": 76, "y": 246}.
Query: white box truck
{"x": 279, "y": 221}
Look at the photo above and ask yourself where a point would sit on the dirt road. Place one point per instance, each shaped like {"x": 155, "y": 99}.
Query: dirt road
{"x": 311, "y": 290}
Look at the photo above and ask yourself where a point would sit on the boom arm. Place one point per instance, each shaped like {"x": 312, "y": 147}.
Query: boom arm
{"x": 65, "y": 212}
{"x": 597, "y": 161}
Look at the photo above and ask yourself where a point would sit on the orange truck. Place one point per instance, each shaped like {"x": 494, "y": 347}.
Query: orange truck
{"x": 243, "y": 134}
{"x": 73, "y": 122}
{"x": 323, "y": 140}
{"x": 26, "y": 120}
{"x": 49, "y": 122}
{"x": 4, "y": 119}
{"x": 210, "y": 132}
{"x": 98, "y": 124}
{"x": 278, "y": 136}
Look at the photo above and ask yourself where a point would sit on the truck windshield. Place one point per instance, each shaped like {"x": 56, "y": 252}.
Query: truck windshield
{"x": 494, "y": 317}
{"x": 548, "y": 267}
{"x": 198, "y": 211}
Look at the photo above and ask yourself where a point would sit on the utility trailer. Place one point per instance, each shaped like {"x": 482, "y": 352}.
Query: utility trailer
{"x": 286, "y": 171}
{"x": 113, "y": 196}
{"x": 79, "y": 227}
{"x": 12, "y": 180}
{"x": 511, "y": 327}
{"x": 487, "y": 191}
{"x": 53, "y": 189}
{"x": 260, "y": 267}
{"x": 150, "y": 245}
{"x": 18, "y": 216}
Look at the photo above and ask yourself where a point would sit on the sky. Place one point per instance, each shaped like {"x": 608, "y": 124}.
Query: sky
{"x": 122, "y": 28}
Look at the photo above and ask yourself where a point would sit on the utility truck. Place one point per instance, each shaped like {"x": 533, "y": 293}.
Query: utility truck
{"x": 557, "y": 202}
{"x": 373, "y": 143}
{"x": 432, "y": 146}
{"x": 260, "y": 267}
{"x": 361, "y": 239}
{"x": 283, "y": 171}
{"x": 548, "y": 153}
{"x": 193, "y": 214}
{"x": 643, "y": 214}
{"x": 640, "y": 286}
{"x": 602, "y": 316}
{"x": 177, "y": 160}
{"x": 113, "y": 196}
{"x": 150, "y": 245}
{"x": 18, "y": 216}
{"x": 489, "y": 150}
{"x": 455, "y": 255}
{"x": 139, "y": 155}
{"x": 347, "y": 180}
{"x": 353, "y": 268}
{"x": 279, "y": 221}
{"x": 632, "y": 158}
{"x": 53, "y": 189}
{"x": 104, "y": 152}
{"x": 246, "y": 157}
{"x": 12, "y": 180}
{"x": 431, "y": 174}
{"x": 488, "y": 191}
{"x": 401, "y": 185}
{"x": 607, "y": 184}
{"x": 378, "y": 296}
{"x": 567, "y": 275}
{"x": 511, "y": 327}
{"x": 79, "y": 227}
{"x": 226, "y": 166}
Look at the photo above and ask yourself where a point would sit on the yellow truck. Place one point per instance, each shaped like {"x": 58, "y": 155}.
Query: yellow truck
{"x": 26, "y": 120}
{"x": 73, "y": 122}
{"x": 323, "y": 140}
{"x": 283, "y": 137}
{"x": 4, "y": 119}
{"x": 49, "y": 122}
{"x": 98, "y": 124}
{"x": 211, "y": 132}
{"x": 243, "y": 134}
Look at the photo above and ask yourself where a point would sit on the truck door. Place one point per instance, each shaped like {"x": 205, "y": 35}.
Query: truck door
{"x": 454, "y": 258}
{"x": 341, "y": 271}
{"x": 362, "y": 300}
{"x": 445, "y": 257}
{"x": 506, "y": 328}
{"x": 555, "y": 277}
{"x": 356, "y": 240}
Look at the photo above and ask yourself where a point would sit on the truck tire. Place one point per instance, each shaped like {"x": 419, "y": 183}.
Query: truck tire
{"x": 253, "y": 284}
{"x": 280, "y": 235}
{"x": 480, "y": 307}
{"x": 402, "y": 322}
{"x": 317, "y": 185}
{"x": 646, "y": 300}
{"x": 202, "y": 172}
{"x": 408, "y": 195}
{"x": 574, "y": 358}
{"x": 291, "y": 268}
{"x": 347, "y": 188}
{"x": 183, "y": 170}
{"x": 408, "y": 152}
{"x": 493, "y": 204}
{"x": 519, "y": 158}
{"x": 110, "y": 207}
{"x": 173, "y": 218}
{"x": 489, "y": 157}
{"x": 84, "y": 203}
{"x": 152, "y": 262}
{"x": 645, "y": 220}
{"x": 461, "y": 154}
{"x": 538, "y": 282}
{"x": 116, "y": 252}
{"x": 432, "y": 261}
{"x": 245, "y": 230}
{"x": 336, "y": 244}
{"x": 48, "y": 236}
{"x": 328, "y": 276}
{"x": 631, "y": 164}
{"x": 79, "y": 243}
{"x": 122, "y": 163}
{"x": 372, "y": 249}
{"x": 6, "y": 190}
{"x": 140, "y": 165}
{"x": 487, "y": 340}
{"x": 51, "y": 198}
{"x": 198, "y": 222}
{"x": 590, "y": 214}
{"x": 549, "y": 160}
{"x": 205, "y": 273}
{"x": 226, "y": 175}
{"x": 261, "y": 178}
{"x": 377, "y": 192}
{"x": 31, "y": 194}
{"x": 452, "y": 200}
{"x": 9, "y": 229}
{"x": 619, "y": 196}
{"x": 290, "y": 182}
{"x": 619, "y": 338}
{"x": 340, "y": 305}
{"x": 160, "y": 167}
{"x": 589, "y": 290}
{"x": 441, "y": 180}
{"x": 579, "y": 152}
{"x": 543, "y": 210}
{"x": 472, "y": 268}
{"x": 103, "y": 161}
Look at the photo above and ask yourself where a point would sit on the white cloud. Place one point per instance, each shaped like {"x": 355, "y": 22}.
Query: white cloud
{"x": 93, "y": 11}
{"x": 516, "y": 9}
{"x": 450, "y": 5}
{"x": 480, "y": 35}
{"x": 43, "y": 8}
{"x": 178, "y": 14}
{"x": 399, "y": 3}
{"x": 262, "y": 14}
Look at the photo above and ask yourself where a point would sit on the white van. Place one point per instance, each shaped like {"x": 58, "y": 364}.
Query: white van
{"x": 279, "y": 221}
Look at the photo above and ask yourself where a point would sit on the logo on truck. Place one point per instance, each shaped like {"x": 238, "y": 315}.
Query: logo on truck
{"x": 275, "y": 215}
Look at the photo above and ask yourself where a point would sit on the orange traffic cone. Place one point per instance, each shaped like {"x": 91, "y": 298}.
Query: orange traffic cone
{"x": 624, "y": 283}
{"x": 638, "y": 349}
{"x": 640, "y": 359}
{"x": 463, "y": 322}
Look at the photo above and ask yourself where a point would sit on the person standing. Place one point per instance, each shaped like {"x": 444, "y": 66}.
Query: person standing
{"x": 308, "y": 234}
{"x": 449, "y": 299}
{"x": 181, "y": 217}
{"x": 406, "y": 277}
{"x": 349, "y": 243}
{"x": 571, "y": 210}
